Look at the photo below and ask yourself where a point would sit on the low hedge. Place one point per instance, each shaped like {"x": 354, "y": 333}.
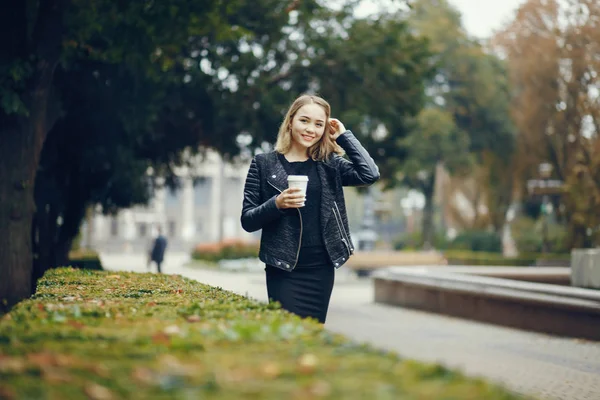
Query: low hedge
{"x": 460, "y": 257}
{"x": 101, "y": 335}
{"x": 225, "y": 250}
{"x": 85, "y": 259}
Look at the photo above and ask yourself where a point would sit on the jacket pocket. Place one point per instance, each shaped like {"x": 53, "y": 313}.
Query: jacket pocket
{"x": 340, "y": 224}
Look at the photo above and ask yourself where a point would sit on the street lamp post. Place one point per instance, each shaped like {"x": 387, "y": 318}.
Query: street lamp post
{"x": 545, "y": 170}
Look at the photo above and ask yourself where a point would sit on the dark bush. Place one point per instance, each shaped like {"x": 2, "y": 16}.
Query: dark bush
{"x": 477, "y": 240}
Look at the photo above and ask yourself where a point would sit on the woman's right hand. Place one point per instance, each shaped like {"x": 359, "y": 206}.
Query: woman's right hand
{"x": 290, "y": 198}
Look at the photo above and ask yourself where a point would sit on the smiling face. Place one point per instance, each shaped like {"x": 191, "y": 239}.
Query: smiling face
{"x": 308, "y": 126}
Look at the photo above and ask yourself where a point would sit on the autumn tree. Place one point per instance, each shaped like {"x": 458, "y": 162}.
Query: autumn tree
{"x": 552, "y": 49}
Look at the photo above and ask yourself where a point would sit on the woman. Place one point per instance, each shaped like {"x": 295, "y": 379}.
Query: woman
{"x": 305, "y": 237}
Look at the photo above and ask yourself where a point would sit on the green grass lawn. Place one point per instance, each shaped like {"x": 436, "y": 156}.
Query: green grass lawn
{"x": 101, "y": 335}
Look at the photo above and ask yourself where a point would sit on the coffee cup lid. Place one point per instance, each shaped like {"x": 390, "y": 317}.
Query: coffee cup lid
{"x": 297, "y": 178}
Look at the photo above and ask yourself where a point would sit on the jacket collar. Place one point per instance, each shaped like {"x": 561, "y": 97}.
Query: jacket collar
{"x": 276, "y": 174}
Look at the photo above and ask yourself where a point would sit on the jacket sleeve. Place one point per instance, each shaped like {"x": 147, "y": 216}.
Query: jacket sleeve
{"x": 256, "y": 214}
{"x": 360, "y": 170}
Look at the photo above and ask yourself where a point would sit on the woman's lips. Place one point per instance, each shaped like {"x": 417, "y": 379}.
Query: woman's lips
{"x": 308, "y": 138}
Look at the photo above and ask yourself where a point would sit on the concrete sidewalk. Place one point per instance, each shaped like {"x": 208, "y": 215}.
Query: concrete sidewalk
{"x": 539, "y": 365}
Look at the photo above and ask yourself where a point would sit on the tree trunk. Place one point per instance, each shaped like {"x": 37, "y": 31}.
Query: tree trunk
{"x": 63, "y": 247}
{"x": 427, "y": 227}
{"x": 22, "y": 138}
{"x": 19, "y": 160}
{"x": 44, "y": 242}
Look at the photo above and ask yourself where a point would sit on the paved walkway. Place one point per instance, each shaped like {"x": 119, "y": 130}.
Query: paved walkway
{"x": 539, "y": 365}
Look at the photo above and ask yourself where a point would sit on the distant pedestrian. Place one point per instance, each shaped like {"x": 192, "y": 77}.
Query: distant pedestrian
{"x": 157, "y": 253}
{"x": 305, "y": 234}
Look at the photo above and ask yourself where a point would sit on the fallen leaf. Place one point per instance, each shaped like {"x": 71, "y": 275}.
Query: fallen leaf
{"x": 113, "y": 277}
{"x": 76, "y": 324}
{"x": 12, "y": 365}
{"x": 193, "y": 318}
{"x": 172, "y": 330}
{"x": 143, "y": 375}
{"x": 151, "y": 304}
{"x": 271, "y": 370}
{"x": 97, "y": 392}
{"x": 43, "y": 359}
{"x": 100, "y": 370}
{"x": 307, "y": 364}
{"x": 54, "y": 375}
{"x": 161, "y": 338}
{"x": 320, "y": 389}
{"x": 7, "y": 393}
{"x": 68, "y": 298}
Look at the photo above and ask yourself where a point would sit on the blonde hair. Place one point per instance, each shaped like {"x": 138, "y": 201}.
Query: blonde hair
{"x": 321, "y": 150}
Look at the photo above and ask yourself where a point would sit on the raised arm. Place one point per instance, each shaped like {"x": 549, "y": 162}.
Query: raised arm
{"x": 360, "y": 169}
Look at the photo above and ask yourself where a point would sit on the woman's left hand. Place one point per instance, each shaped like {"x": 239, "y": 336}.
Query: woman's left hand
{"x": 336, "y": 128}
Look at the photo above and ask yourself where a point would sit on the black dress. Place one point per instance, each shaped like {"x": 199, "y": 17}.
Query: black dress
{"x": 306, "y": 290}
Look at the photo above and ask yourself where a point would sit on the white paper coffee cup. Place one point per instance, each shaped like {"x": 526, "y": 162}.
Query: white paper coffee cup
{"x": 300, "y": 182}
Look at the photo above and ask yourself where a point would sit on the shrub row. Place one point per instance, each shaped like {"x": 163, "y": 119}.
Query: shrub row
{"x": 101, "y": 335}
{"x": 473, "y": 240}
{"x": 85, "y": 259}
{"x": 458, "y": 257}
{"x": 226, "y": 250}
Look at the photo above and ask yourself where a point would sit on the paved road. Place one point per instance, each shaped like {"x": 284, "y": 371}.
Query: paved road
{"x": 529, "y": 363}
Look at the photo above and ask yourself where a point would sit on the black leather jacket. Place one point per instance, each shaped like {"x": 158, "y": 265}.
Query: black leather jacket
{"x": 280, "y": 239}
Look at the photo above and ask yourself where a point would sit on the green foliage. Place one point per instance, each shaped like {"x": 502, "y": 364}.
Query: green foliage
{"x": 528, "y": 235}
{"x": 89, "y": 334}
{"x": 435, "y": 139}
{"x": 226, "y": 250}
{"x": 150, "y": 84}
{"x": 414, "y": 241}
{"x": 372, "y": 72}
{"x": 477, "y": 240}
{"x": 13, "y": 79}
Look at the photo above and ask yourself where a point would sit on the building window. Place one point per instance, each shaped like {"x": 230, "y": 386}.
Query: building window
{"x": 202, "y": 191}
{"x": 142, "y": 229}
{"x": 171, "y": 228}
{"x": 114, "y": 226}
{"x": 171, "y": 199}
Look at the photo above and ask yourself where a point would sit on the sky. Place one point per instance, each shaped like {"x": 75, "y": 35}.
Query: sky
{"x": 480, "y": 17}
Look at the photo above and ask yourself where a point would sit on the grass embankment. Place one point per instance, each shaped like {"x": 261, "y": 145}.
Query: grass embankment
{"x": 101, "y": 335}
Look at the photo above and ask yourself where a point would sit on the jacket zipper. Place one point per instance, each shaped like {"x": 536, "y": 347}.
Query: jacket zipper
{"x": 343, "y": 229}
{"x": 340, "y": 228}
{"x": 301, "y": 228}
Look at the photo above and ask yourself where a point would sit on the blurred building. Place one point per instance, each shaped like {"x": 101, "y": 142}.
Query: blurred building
{"x": 206, "y": 208}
